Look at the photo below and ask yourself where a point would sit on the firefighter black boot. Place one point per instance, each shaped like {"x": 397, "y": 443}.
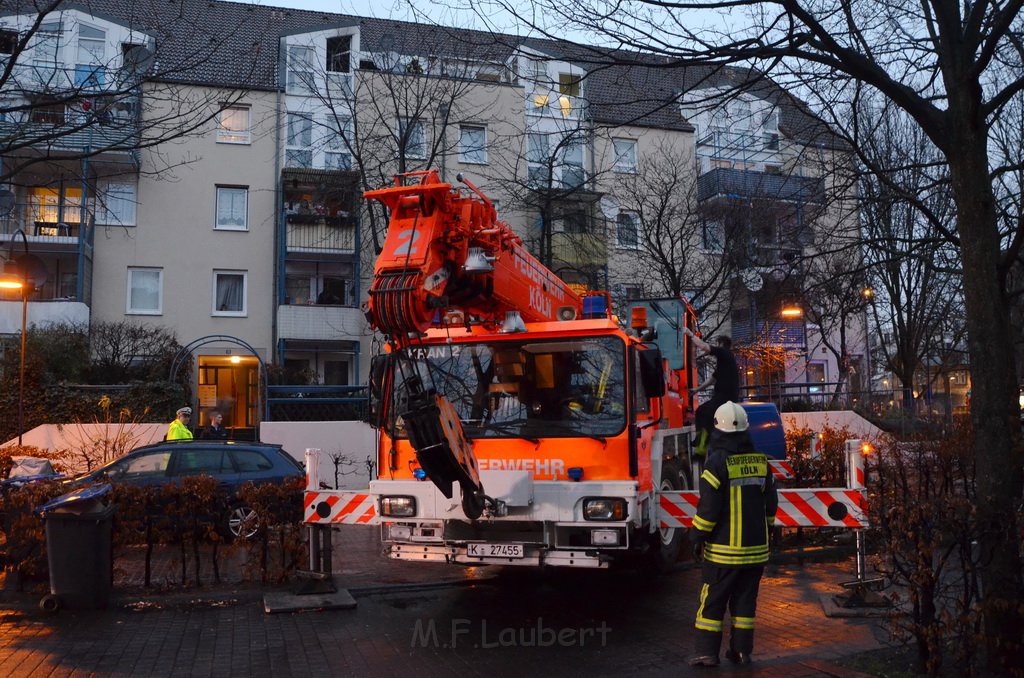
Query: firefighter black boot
{"x": 707, "y": 644}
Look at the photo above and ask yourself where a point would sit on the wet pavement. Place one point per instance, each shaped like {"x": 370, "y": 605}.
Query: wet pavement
{"x": 428, "y": 619}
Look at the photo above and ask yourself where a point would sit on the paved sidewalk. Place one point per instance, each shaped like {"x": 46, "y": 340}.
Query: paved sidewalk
{"x": 494, "y": 621}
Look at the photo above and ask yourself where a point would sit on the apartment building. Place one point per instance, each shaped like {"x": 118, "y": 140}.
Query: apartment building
{"x": 199, "y": 165}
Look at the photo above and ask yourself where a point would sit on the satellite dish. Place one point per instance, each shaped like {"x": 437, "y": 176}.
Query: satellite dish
{"x": 6, "y": 202}
{"x": 751, "y": 279}
{"x": 609, "y": 207}
{"x": 32, "y": 270}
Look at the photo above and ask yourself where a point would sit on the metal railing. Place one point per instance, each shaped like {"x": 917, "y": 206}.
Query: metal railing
{"x": 749, "y": 184}
{"x": 317, "y": 403}
{"x": 315, "y": 233}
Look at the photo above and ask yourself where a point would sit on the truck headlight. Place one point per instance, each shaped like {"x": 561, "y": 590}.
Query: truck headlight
{"x": 398, "y": 507}
{"x": 604, "y": 508}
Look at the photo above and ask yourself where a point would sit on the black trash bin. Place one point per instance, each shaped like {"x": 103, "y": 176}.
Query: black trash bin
{"x": 79, "y": 550}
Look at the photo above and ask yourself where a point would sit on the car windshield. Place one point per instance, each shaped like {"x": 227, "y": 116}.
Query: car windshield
{"x": 526, "y": 389}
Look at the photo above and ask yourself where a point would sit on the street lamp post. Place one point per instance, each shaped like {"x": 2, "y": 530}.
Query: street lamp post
{"x": 22, "y": 273}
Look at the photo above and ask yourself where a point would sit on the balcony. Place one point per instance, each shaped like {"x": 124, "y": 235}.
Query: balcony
{"x": 315, "y": 234}
{"x": 319, "y": 323}
{"x": 732, "y": 183}
{"x": 578, "y": 250}
{"x": 41, "y": 313}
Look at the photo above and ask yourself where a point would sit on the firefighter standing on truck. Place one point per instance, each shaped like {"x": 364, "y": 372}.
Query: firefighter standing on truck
{"x": 736, "y": 512}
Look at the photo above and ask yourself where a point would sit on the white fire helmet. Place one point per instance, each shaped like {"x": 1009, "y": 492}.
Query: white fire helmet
{"x": 730, "y": 418}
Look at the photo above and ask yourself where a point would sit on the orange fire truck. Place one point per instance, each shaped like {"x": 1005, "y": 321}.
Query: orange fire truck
{"x": 519, "y": 422}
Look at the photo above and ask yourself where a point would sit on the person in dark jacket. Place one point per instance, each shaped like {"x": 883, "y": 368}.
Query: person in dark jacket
{"x": 735, "y": 514}
{"x": 216, "y": 430}
{"x": 726, "y": 382}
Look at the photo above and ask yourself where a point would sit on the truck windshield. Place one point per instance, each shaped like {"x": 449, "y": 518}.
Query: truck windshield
{"x": 526, "y": 389}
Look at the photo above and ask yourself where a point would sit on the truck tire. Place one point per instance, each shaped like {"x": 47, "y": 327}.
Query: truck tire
{"x": 668, "y": 542}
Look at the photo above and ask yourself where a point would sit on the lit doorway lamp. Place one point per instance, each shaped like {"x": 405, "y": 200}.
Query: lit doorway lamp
{"x": 26, "y": 273}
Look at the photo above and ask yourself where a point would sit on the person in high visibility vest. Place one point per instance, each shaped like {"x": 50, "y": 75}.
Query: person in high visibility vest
{"x": 178, "y": 429}
{"x": 734, "y": 517}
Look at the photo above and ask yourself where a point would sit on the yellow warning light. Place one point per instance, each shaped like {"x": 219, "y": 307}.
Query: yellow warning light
{"x": 865, "y": 448}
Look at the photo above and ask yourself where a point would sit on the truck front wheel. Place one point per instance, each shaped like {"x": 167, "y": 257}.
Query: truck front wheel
{"x": 668, "y": 541}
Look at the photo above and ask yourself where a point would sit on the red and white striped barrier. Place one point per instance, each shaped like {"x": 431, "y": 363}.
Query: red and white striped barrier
{"x": 781, "y": 469}
{"x": 339, "y": 507}
{"x": 825, "y": 507}
{"x": 334, "y": 507}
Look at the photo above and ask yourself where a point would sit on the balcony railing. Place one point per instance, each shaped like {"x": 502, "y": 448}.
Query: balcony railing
{"x": 318, "y": 322}
{"x": 321, "y": 234}
{"x": 723, "y": 182}
{"x": 579, "y": 249}
{"x": 45, "y": 223}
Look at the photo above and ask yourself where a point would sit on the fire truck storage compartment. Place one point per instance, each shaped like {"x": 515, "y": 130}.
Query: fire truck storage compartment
{"x": 766, "y": 429}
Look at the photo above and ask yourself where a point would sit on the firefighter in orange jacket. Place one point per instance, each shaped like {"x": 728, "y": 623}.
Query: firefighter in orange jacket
{"x": 734, "y": 517}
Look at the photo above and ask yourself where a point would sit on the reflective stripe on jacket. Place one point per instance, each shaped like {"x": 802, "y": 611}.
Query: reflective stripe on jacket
{"x": 737, "y": 503}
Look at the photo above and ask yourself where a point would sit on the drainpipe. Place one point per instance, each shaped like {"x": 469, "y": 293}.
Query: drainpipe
{"x": 280, "y": 232}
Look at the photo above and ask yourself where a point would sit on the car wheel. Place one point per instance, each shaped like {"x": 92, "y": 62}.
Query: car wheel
{"x": 241, "y": 522}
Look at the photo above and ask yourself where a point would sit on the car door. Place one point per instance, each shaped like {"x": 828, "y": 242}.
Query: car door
{"x": 209, "y": 461}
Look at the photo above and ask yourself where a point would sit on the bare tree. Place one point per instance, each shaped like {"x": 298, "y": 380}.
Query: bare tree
{"x": 954, "y": 69}
{"x": 836, "y": 296}
{"x": 680, "y": 244}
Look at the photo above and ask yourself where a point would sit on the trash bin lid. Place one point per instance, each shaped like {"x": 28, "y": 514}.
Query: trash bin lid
{"x": 75, "y": 501}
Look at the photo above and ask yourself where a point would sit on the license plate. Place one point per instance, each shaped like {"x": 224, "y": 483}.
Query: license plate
{"x": 495, "y": 550}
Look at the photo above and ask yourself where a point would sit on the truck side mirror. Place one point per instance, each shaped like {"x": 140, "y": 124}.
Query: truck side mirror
{"x": 652, "y": 376}
{"x": 380, "y": 370}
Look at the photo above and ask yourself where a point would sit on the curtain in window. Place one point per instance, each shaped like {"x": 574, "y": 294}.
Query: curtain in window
{"x": 145, "y": 291}
{"x": 231, "y": 207}
{"x": 230, "y": 292}
{"x": 117, "y": 205}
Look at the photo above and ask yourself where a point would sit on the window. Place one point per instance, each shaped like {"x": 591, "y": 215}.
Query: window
{"x": 538, "y": 156}
{"x": 203, "y": 462}
{"x": 740, "y": 113}
{"x": 229, "y": 293}
{"x": 338, "y": 50}
{"x": 712, "y": 235}
{"x": 538, "y": 70}
{"x": 8, "y": 42}
{"x": 301, "y": 62}
{"x": 44, "y": 51}
{"x": 815, "y": 376}
{"x": 337, "y": 156}
{"x": 473, "y": 144}
{"x": 145, "y": 291}
{"x": 336, "y": 372}
{"x": 573, "y": 175}
{"x": 568, "y": 84}
{"x": 233, "y": 125}
{"x": 232, "y": 208}
{"x": 251, "y": 461}
{"x": 89, "y": 70}
{"x": 116, "y": 205}
{"x": 627, "y": 227}
{"x": 145, "y": 465}
{"x": 412, "y": 142}
{"x": 299, "y": 140}
{"x": 625, "y": 155}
